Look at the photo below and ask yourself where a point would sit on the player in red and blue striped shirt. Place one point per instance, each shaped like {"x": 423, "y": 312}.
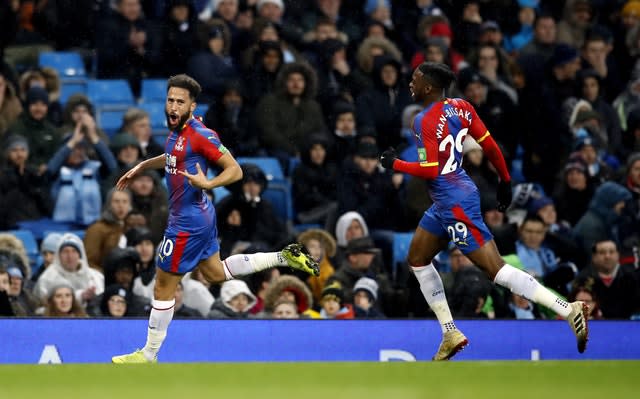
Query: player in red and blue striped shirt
{"x": 191, "y": 237}
{"x": 440, "y": 130}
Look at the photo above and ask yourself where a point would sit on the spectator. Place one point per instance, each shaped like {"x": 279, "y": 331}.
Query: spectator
{"x": 213, "y": 66}
{"x": 48, "y": 249}
{"x": 523, "y": 309}
{"x": 149, "y": 196}
{"x": 314, "y": 187}
{"x": 10, "y": 106}
{"x": 494, "y": 107}
{"x": 246, "y": 216}
{"x": 576, "y": 20}
{"x": 367, "y": 50}
{"x": 120, "y": 267}
{"x": 630, "y": 226}
{"x": 589, "y": 83}
{"x": 140, "y": 239}
{"x": 137, "y": 123}
{"x": 336, "y": 82}
{"x": 70, "y": 267}
{"x": 526, "y": 17}
{"x": 48, "y": 79}
{"x": 196, "y": 293}
{"x": 343, "y": 126}
{"x": 584, "y": 292}
{"x": 493, "y": 65}
{"x": 573, "y": 194}
{"x": 589, "y": 148}
{"x": 370, "y": 190}
{"x": 107, "y": 232}
{"x": 333, "y": 303}
{"x": 183, "y": 311}
{"x": 6, "y": 308}
{"x": 468, "y": 288}
{"x": 25, "y": 192}
{"x": 79, "y": 113}
{"x": 127, "y": 152}
{"x": 76, "y": 177}
{"x": 291, "y": 288}
{"x": 285, "y": 309}
{"x": 615, "y": 286}
{"x": 289, "y": 114}
{"x": 262, "y": 73}
{"x": 61, "y": 302}
{"x": 322, "y": 247}
{"x": 603, "y": 217}
{"x": 259, "y": 283}
{"x": 114, "y": 302}
{"x": 235, "y": 301}
{"x": 358, "y": 263}
{"x": 33, "y": 124}
{"x": 178, "y": 36}
{"x": 537, "y": 258}
{"x": 365, "y": 294}
{"x": 349, "y": 225}
{"x": 13, "y": 253}
{"x": 388, "y": 96}
{"x": 24, "y": 304}
{"x": 232, "y": 116}
{"x": 122, "y": 44}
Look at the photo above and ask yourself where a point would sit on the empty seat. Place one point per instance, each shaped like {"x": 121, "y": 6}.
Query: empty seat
{"x": 401, "y": 243}
{"x": 69, "y": 87}
{"x": 67, "y": 63}
{"x": 279, "y": 194}
{"x": 153, "y": 91}
{"x": 201, "y": 110}
{"x": 269, "y": 165}
{"x": 109, "y": 92}
{"x": 109, "y": 118}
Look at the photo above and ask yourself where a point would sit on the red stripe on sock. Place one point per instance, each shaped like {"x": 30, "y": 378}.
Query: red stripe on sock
{"x": 181, "y": 243}
{"x": 169, "y": 308}
{"x": 458, "y": 212}
{"x": 224, "y": 263}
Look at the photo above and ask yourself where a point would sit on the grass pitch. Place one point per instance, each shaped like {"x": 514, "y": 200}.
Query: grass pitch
{"x": 396, "y": 380}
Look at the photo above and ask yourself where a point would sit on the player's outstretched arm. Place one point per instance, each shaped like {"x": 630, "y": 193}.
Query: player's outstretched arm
{"x": 426, "y": 170}
{"x": 151, "y": 163}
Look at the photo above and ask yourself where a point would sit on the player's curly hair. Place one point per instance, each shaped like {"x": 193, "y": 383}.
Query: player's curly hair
{"x": 186, "y": 82}
{"x": 438, "y": 74}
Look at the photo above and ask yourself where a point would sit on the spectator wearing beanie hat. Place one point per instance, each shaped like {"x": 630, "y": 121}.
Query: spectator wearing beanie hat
{"x": 70, "y": 266}
{"x": 48, "y": 249}
{"x": 25, "y": 191}
{"x": 365, "y": 295}
{"x": 332, "y": 302}
{"x": 33, "y": 124}
{"x": 573, "y": 193}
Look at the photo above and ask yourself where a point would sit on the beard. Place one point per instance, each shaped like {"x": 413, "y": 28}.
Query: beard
{"x": 180, "y": 121}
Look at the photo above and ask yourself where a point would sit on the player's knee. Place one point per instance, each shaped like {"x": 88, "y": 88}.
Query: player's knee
{"x": 214, "y": 274}
{"x": 417, "y": 260}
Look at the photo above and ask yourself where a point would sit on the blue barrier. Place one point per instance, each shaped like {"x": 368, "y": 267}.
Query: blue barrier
{"x": 96, "y": 340}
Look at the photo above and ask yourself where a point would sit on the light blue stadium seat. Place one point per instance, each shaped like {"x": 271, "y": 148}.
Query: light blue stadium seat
{"x": 67, "y": 63}
{"x": 109, "y": 118}
{"x": 279, "y": 194}
{"x": 201, "y": 109}
{"x": 30, "y": 244}
{"x": 401, "y": 243}
{"x": 71, "y": 86}
{"x": 110, "y": 92}
{"x": 153, "y": 91}
{"x": 269, "y": 165}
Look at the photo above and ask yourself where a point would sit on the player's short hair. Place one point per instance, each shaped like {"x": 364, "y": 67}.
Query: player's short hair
{"x": 437, "y": 74}
{"x": 186, "y": 82}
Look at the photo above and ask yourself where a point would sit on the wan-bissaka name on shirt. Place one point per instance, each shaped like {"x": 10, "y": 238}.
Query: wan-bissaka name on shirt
{"x": 450, "y": 112}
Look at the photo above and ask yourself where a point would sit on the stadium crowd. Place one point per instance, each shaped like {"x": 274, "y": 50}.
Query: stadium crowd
{"x": 321, "y": 86}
